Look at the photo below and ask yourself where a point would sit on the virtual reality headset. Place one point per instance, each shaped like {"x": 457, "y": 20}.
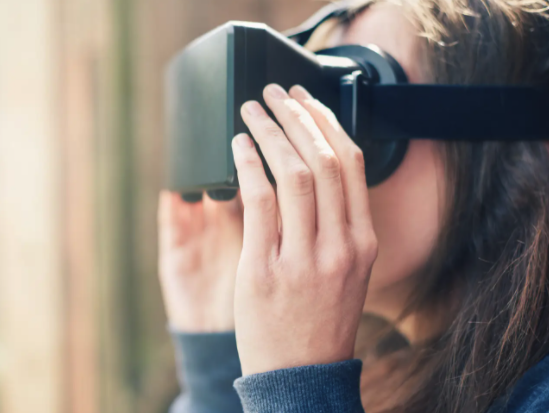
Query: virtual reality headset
{"x": 366, "y": 88}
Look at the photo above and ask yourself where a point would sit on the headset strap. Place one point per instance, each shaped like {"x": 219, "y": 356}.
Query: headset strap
{"x": 443, "y": 112}
{"x": 303, "y": 33}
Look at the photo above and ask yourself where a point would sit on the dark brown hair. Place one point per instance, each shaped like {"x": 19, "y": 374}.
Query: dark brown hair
{"x": 489, "y": 274}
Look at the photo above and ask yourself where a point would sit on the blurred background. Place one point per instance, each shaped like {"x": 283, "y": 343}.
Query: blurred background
{"x": 82, "y": 326}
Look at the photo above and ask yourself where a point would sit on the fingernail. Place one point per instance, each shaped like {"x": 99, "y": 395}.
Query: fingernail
{"x": 276, "y": 92}
{"x": 301, "y": 93}
{"x": 243, "y": 141}
{"x": 254, "y": 108}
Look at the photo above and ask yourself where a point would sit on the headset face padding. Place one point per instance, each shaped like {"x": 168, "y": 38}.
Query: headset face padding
{"x": 382, "y": 158}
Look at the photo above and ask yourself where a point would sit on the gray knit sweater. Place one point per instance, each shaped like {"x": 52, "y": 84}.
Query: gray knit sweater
{"x": 209, "y": 371}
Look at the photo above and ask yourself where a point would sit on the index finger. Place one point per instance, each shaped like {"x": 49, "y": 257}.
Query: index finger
{"x": 353, "y": 170}
{"x": 295, "y": 185}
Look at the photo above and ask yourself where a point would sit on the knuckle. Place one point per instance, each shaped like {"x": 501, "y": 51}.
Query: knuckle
{"x": 339, "y": 263}
{"x": 300, "y": 179}
{"x": 325, "y": 112}
{"x": 298, "y": 114}
{"x": 295, "y": 109}
{"x": 328, "y": 164}
{"x": 272, "y": 130}
{"x": 328, "y": 113}
{"x": 371, "y": 250}
{"x": 368, "y": 249}
{"x": 357, "y": 157}
{"x": 340, "y": 260}
{"x": 251, "y": 160}
{"x": 295, "y": 113}
{"x": 262, "y": 198}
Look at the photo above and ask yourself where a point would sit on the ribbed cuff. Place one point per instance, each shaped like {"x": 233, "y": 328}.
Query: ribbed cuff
{"x": 208, "y": 364}
{"x": 329, "y": 388}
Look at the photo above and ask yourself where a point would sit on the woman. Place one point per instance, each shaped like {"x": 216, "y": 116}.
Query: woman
{"x": 427, "y": 293}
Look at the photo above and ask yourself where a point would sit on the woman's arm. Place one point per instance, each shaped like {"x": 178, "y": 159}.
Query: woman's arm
{"x": 207, "y": 365}
{"x": 307, "y": 256}
{"x": 199, "y": 249}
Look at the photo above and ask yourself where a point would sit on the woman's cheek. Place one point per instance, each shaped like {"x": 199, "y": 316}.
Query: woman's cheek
{"x": 406, "y": 212}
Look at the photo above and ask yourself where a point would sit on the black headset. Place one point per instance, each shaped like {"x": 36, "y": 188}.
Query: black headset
{"x": 367, "y": 88}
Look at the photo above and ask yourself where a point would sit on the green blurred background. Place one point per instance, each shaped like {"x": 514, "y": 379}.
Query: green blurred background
{"x": 82, "y": 327}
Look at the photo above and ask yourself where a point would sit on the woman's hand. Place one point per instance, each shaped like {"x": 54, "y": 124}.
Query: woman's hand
{"x": 308, "y": 248}
{"x": 200, "y": 245}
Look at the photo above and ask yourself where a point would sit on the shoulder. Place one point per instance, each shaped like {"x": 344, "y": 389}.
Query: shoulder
{"x": 531, "y": 393}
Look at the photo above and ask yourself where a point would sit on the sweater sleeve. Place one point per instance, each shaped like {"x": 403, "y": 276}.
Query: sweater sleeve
{"x": 530, "y": 394}
{"x": 328, "y": 388}
{"x": 207, "y": 366}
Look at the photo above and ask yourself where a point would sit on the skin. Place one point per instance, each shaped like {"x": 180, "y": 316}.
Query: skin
{"x": 407, "y": 209}
{"x": 319, "y": 250}
{"x": 200, "y": 246}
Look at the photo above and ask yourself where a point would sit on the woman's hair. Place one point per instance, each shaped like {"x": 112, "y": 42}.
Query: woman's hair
{"x": 489, "y": 273}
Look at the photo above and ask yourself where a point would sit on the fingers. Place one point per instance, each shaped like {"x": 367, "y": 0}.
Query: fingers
{"x": 319, "y": 286}
{"x": 311, "y": 145}
{"x": 178, "y": 220}
{"x": 295, "y": 184}
{"x": 261, "y": 236}
{"x": 350, "y": 158}
{"x": 196, "y": 216}
{"x": 320, "y": 172}
{"x": 222, "y": 212}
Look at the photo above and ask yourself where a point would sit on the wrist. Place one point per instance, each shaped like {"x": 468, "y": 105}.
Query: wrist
{"x": 197, "y": 311}
{"x": 194, "y": 321}
{"x": 266, "y": 364}
{"x": 290, "y": 349}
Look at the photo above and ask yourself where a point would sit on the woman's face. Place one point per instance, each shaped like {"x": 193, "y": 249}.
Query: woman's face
{"x": 407, "y": 208}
